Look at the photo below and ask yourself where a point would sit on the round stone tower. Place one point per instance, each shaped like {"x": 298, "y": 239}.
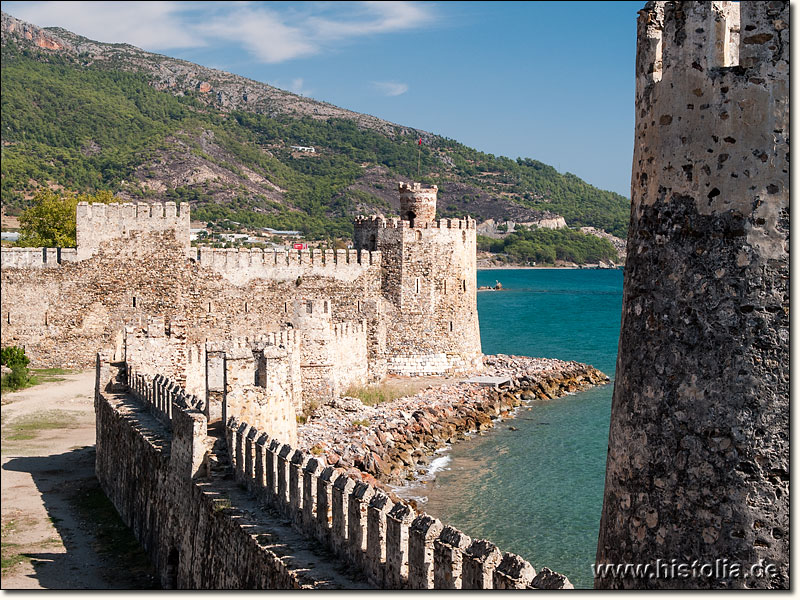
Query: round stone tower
{"x": 417, "y": 203}
{"x": 697, "y": 476}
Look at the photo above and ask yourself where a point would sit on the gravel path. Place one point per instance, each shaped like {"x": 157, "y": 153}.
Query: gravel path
{"x": 48, "y": 540}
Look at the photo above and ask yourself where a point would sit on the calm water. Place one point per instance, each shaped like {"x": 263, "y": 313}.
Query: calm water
{"x": 538, "y": 491}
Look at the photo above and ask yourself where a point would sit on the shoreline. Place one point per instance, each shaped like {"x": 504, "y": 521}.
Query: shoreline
{"x": 391, "y": 442}
{"x": 510, "y": 267}
{"x": 576, "y": 268}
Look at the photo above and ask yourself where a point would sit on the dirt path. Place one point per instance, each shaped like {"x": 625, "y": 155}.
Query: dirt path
{"x": 58, "y": 529}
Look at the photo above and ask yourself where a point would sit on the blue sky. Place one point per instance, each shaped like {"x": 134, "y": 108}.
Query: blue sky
{"x": 553, "y": 81}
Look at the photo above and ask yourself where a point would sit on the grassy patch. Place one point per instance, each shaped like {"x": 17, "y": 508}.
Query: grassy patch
{"x": 113, "y": 539}
{"x": 19, "y": 379}
{"x": 13, "y": 554}
{"x": 10, "y": 556}
{"x": 31, "y": 378}
{"x": 29, "y": 426}
{"x": 48, "y": 375}
{"x": 384, "y": 392}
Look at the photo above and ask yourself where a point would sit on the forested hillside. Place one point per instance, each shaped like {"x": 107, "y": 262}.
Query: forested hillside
{"x": 89, "y": 116}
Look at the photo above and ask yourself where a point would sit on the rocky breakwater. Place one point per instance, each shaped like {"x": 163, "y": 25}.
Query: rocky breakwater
{"x": 390, "y": 440}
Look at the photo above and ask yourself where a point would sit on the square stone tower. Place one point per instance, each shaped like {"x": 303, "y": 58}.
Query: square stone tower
{"x": 428, "y": 281}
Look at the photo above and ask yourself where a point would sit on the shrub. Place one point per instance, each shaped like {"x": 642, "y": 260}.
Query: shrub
{"x": 17, "y": 379}
{"x": 14, "y": 358}
{"x": 13, "y": 355}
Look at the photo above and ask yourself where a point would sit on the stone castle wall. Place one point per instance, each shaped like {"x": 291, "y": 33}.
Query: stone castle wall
{"x": 408, "y": 288}
{"x": 429, "y": 279}
{"x": 333, "y": 356}
{"x": 417, "y": 203}
{"x": 31, "y": 258}
{"x": 200, "y": 531}
{"x": 162, "y": 349}
{"x": 263, "y": 382}
{"x": 62, "y": 315}
{"x": 164, "y": 473}
{"x": 99, "y": 223}
{"x": 240, "y": 266}
{"x": 698, "y": 460}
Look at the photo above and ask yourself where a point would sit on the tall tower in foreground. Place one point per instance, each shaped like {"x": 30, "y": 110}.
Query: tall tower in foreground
{"x": 698, "y": 457}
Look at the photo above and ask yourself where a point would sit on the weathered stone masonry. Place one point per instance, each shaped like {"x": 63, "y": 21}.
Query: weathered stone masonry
{"x": 156, "y": 463}
{"x": 416, "y": 309}
{"x": 180, "y": 487}
{"x": 428, "y": 276}
{"x": 698, "y": 460}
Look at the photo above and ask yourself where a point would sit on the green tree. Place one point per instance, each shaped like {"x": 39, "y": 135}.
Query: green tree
{"x": 50, "y": 221}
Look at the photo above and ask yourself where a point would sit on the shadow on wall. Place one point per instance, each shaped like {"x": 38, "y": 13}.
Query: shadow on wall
{"x": 100, "y": 552}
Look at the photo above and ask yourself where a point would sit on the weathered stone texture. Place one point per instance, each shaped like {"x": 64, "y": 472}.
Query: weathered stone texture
{"x": 63, "y": 314}
{"x": 333, "y": 356}
{"x": 513, "y": 573}
{"x": 429, "y": 279}
{"x": 99, "y": 223}
{"x": 448, "y": 556}
{"x": 698, "y": 462}
{"x": 404, "y": 300}
{"x": 170, "y": 481}
{"x": 200, "y": 533}
{"x": 480, "y": 559}
{"x": 421, "y": 534}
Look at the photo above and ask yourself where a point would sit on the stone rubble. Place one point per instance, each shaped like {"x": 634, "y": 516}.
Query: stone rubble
{"x": 389, "y": 440}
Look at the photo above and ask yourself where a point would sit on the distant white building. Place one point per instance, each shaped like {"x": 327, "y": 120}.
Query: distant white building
{"x": 280, "y": 231}
{"x": 304, "y": 148}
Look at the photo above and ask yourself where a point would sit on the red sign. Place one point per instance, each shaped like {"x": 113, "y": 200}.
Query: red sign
{"x": 300, "y": 246}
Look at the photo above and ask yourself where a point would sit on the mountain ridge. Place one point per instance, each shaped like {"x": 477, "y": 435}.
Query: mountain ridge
{"x": 223, "y": 142}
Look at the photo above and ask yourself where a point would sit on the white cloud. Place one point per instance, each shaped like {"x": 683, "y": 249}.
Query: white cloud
{"x": 272, "y": 33}
{"x": 391, "y": 88}
{"x": 153, "y": 25}
{"x": 262, "y": 32}
{"x": 374, "y": 17}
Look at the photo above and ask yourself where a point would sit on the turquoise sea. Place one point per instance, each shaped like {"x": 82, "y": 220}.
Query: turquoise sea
{"x": 538, "y": 491}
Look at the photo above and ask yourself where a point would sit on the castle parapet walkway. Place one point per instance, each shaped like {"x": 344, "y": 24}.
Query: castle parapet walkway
{"x": 225, "y": 499}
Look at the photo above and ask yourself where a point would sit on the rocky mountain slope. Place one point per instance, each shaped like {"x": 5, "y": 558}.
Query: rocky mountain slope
{"x": 88, "y": 115}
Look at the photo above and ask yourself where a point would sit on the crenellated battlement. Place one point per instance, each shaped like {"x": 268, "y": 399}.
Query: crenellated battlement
{"x": 417, "y": 203}
{"x": 381, "y": 222}
{"x": 284, "y": 337}
{"x": 347, "y": 329}
{"x": 143, "y": 213}
{"x": 97, "y": 223}
{"x": 415, "y": 188}
{"x": 701, "y": 36}
{"x": 429, "y": 277}
{"x": 711, "y": 94}
{"x": 161, "y": 395}
{"x": 395, "y": 546}
{"x": 707, "y": 285}
{"x": 245, "y": 264}
{"x": 36, "y": 258}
